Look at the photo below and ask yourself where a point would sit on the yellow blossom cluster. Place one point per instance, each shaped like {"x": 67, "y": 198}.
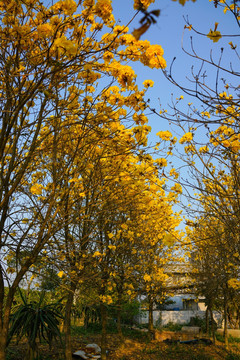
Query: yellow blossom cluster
{"x": 227, "y": 137}
{"x": 165, "y": 135}
{"x": 162, "y": 162}
{"x": 124, "y": 74}
{"x": 36, "y": 189}
{"x": 148, "y": 83}
{"x": 142, "y": 4}
{"x": 103, "y": 9}
{"x": 187, "y": 137}
{"x": 203, "y": 149}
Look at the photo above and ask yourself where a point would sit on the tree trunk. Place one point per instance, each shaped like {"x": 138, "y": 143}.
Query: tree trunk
{"x": 67, "y": 323}
{"x": 3, "y": 344}
{"x": 119, "y": 325}
{"x": 238, "y": 319}
{"x": 104, "y": 332}
{"x": 212, "y": 326}
{"x": 4, "y": 322}
{"x": 86, "y": 318}
{"x": 119, "y": 313}
{"x": 207, "y": 320}
{"x": 225, "y": 331}
{"x": 150, "y": 317}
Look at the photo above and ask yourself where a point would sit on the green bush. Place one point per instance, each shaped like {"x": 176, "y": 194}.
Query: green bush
{"x": 220, "y": 337}
{"x": 173, "y": 327}
{"x": 93, "y": 328}
{"x": 197, "y": 321}
{"x": 129, "y": 311}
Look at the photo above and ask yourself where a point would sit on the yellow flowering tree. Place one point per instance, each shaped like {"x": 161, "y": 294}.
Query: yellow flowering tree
{"x": 216, "y": 265}
{"x": 115, "y": 227}
{"x": 209, "y": 146}
{"x": 54, "y": 62}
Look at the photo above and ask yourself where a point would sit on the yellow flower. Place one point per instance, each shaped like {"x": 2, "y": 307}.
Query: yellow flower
{"x": 69, "y": 6}
{"x": 60, "y": 274}
{"x": 214, "y": 35}
{"x": 103, "y": 9}
{"x": 204, "y": 149}
{"x": 148, "y": 83}
{"x": 120, "y": 29}
{"x": 147, "y": 277}
{"x": 44, "y": 30}
{"x": 139, "y": 4}
{"x": 64, "y": 45}
{"x": 97, "y": 253}
{"x": 165, "y": 135}
{"x": 234, "y": 283}
{"x": 106, "y": 299}
{"x": 173, "y": 173}
{"x": 36, "y": 189}
{"x": 186, "y": 138}
{"x": 205, "y": 113}
{"x": 177, "y": 188}
{"x": 161, "y": 162}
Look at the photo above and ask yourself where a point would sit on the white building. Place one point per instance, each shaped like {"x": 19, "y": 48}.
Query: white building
{"x": 183, "y": 304}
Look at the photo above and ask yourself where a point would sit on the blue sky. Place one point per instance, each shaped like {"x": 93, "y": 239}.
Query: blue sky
{"x": 168, "y": 32}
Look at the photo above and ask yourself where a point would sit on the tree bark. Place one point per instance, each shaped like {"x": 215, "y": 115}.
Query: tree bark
{"x": 67, "y": 323}
{"x": 119, "y": 313}
{"x": 150, "y": 318}
{"x": 119, "y": 325}
{"x": 4, "y": 321}
{"x": 207, "y": 320}
{"x": 3, "y": 343}
{"x": 212, "y": 326}
{"x": 225, "y": 331}
{"x": 104, "y": 332}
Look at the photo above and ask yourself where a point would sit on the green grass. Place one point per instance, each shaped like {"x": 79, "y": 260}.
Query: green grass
{"x": 233, "y": 356}
{"x": 111, "y": 329}
{"x": 231, "y": 339}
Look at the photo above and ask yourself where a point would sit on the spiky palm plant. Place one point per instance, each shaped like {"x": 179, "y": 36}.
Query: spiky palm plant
{"x": 36, "y": 321}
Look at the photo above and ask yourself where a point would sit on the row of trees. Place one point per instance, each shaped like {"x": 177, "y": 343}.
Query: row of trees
{"x": 79, "y": 188}
{"x": 212, "y": 143}
{"x": 79, "y": 191}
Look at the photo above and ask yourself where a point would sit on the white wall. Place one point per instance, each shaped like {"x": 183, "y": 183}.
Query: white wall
{"x": 176, "y": 317}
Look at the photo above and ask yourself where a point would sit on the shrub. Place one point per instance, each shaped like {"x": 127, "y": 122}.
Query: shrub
{"x": 36, "y": 321}
{"x": 173, "y": 327}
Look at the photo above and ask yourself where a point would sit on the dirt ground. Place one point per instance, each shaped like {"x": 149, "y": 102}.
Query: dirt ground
{"x": 140, "y": 348}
